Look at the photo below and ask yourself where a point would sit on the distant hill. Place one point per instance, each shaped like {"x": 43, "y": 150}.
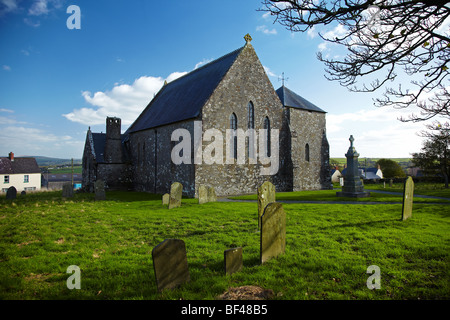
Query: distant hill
{"x": 47, "y": 161}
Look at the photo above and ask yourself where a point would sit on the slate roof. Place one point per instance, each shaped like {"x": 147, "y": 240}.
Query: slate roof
{"x": 99, "y": 140}
{"x": 290, "y": 99}
{"x": 184, "y": 98}
{"x": 18, "y": 166}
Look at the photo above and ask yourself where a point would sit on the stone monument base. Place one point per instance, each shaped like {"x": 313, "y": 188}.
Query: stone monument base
{"x": 353, "y": 194}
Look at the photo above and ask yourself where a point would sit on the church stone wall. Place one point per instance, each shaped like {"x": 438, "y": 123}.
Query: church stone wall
{"x": 245, "y": 81}
{"x": 307, "y": 128}
{"x": 153, "y": 169}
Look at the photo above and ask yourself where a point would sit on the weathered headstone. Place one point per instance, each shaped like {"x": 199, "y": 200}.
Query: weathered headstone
{"x": 176, "y": 192}
{"x": 206, "y": 194}
{"x": 165, "y": 199}
{"x": 266, "y": 195}
{"x": 23, "y": 193}
{"x": 408, "y": 197}
{"x": 273, "y": 232}
{"x": 233, "y": 260}
{"x": 212, "y": 194}
{"x": 99, "y": 188}
{"x": 202, "y": 194}
{"x": 170, "y": 264}
{"x": 67, "y": 191}
{"x": 11, "y": 193}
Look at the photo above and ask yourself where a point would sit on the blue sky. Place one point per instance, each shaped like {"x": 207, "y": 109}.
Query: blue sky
{"x": 56, "y": 82}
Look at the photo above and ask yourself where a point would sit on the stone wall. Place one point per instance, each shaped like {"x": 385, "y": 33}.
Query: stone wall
{"x": 307, "y": 129}
{"x": 153, "y": 169}
{"x": 245, "y": 81}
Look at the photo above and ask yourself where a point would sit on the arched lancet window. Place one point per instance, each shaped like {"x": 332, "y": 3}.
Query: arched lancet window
{"x": 307, "y": 152}
{"x": 233, "y": 126}
{"x": 250, "y": 116}
{"x": 267, "y": 127}
{"x": 250, "y": 127}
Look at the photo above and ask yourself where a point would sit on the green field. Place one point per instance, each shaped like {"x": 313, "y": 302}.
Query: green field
{"x": 328, "y": 248}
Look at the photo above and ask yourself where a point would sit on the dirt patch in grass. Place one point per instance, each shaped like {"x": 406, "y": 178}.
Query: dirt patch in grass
{"x": 247, "y": 293}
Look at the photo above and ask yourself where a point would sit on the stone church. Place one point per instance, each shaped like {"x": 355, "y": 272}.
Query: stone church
{"x": 223, "y": 96}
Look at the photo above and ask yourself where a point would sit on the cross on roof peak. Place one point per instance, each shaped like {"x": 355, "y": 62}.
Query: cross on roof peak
{"x": 283, "y": 79}
{"x": 248, "y": 38}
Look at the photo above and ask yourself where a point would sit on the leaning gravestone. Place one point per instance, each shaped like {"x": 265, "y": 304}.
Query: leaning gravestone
{"x": 266, "y": 195}
{"x": 165, "y": 199}
{"x": 273, "y": 232}
{"x": 170, "y": 264}
{"x": 99, "y": 188}
{"x": 11, "y": 194}
{"x": 206, "y": 194}
{"x": 67, "y": 191}
{"x": 408, "y": 197}
{"x": 233, "y": 260}
{"x": 176, "y": 192}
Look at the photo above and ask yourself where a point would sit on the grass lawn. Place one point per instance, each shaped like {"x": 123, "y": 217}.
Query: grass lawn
{"x": 330, "y": 195}
{"x": 328, "y": 248}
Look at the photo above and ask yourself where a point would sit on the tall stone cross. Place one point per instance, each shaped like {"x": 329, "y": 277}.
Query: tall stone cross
{"x": 351, "y": 141}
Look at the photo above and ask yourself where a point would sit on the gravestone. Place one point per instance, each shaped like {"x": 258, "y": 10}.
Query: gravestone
{"x": 99, "y": 188}
{"x": 165, "y": 199}
{"x": 170, "y": 264}
{"x": 408, "y": 197}
{"x": 273, "y": 232}
{"x": 23, "y": 193}
{"x": 176, "y": 191}
{"x": 212, "y": 194}
{"x": 11, "y": 193}
{"x": 67, "y": 191}
{"x": 233, "y": 260}
{"x": 206, "y": 194}
{"x": 266, "y": 195}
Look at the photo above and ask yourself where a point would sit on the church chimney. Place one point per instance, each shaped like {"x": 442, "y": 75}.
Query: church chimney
{"x": 11, "y": 156}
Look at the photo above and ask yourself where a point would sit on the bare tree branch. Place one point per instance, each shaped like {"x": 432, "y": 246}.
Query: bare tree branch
{"x": 402, "y": 35}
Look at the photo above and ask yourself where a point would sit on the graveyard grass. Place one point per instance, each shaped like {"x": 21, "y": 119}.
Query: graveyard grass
{"x": 328, "y": 248}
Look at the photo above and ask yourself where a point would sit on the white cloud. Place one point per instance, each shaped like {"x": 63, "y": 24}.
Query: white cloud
{"x": 124, "y": 101}
{"x": 377, "y": 133}
{"x": 265, "y": 30}
{"x": 31, "y": 141}
{"x": 7, "y": 6}
{"x": 38, "y": 8}
{"x": 269, "y": 72}
{"x": 202, "y": 63}
{"x": 6, "y": 110}
{"x": 311, "y": 33}
{"x": 6, "y": 68}
{"x": 32, "y": 23}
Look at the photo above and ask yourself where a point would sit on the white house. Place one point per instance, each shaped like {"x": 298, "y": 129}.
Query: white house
{"x": 22, "y": 173}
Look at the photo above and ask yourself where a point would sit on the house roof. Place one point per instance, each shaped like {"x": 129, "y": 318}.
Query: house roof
{"x": 18, "y": 166}
{"x": 55, "y": 177}
{"x": 290, "y": 99}
{"x": 183, "y": 98}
